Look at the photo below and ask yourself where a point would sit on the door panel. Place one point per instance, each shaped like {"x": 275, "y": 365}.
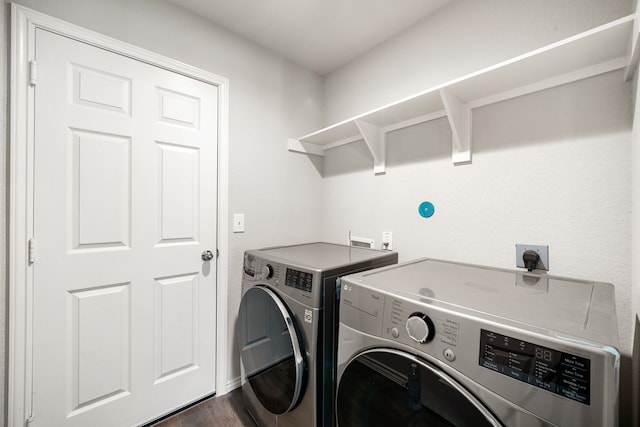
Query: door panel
{"x": 176, "y": 342}
{"x": 100, "y": 190}
{"x": 124, "y": 204}
{"x": 101, "y": 89}
{"x": 100, "y": 323}
{"x": 179, "y": 183}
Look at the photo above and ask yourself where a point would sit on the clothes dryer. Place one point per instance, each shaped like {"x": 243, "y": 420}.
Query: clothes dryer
{"x": 439, "y": 343}
{"x": 287, "y": 329}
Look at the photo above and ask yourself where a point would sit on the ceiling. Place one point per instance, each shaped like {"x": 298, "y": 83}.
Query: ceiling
{"x": 320, "y": 35}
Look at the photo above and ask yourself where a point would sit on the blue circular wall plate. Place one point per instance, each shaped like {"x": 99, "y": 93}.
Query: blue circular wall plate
{"x": 426, "y": 209}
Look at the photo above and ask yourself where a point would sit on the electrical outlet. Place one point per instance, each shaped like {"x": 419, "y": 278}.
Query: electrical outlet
{"x": 387, "y": 240}
{"x": 543, "y": 252}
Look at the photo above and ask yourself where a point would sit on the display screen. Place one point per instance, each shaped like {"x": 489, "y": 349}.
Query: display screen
{"x": 561, "y": 373}
{"x": 299, "y": 279}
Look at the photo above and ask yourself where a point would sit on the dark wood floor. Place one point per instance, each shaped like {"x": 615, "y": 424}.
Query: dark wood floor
{"x": 227, "y": 410}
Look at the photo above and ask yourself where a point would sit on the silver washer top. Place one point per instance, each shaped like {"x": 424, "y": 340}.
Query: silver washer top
{"x": 578, "y": 308}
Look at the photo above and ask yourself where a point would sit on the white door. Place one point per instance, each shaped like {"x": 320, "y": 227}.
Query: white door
{"x": 124, "y": 205}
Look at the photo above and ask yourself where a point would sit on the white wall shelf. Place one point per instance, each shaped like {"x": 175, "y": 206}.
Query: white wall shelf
{"x": 597, "y": 51}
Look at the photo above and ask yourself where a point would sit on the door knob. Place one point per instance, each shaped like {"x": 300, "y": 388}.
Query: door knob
{"x": 207, "y": 256}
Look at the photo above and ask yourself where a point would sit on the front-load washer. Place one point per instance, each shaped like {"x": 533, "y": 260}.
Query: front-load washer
{"x": 287, "y": 329}
{"x": 436, "y": 343}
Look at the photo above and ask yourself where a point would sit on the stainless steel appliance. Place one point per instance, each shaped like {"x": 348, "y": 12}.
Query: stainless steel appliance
{"x": 287, "y": 328}
{"x": 439, "y": 343}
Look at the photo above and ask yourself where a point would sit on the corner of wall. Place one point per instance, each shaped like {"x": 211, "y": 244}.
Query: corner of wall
{"x": 4, "y": 98}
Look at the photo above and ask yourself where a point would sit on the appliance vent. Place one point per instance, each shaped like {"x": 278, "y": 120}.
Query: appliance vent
{"x": 361, "y": 242}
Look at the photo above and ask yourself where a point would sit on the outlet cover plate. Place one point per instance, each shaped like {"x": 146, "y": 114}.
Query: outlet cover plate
{"x": 387, "y": 237}
{"x": 543, "y": 252}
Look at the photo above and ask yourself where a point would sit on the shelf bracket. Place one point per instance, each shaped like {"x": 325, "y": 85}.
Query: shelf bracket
{"x": 304, "y": 147}
{"x": 459, "y": 115}
{"x": 633, "y": 54}
{"x": 375, "y": 139}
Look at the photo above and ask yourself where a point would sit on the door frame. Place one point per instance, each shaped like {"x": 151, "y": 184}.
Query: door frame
{"x": 24, "y": 22}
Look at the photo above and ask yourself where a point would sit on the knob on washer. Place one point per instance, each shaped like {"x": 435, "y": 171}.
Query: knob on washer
{"x": 267, "y": 272}
{"x": 420, "y": 328}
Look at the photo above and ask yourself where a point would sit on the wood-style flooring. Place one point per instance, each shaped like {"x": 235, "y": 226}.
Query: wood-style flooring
{"x": 218, "y": 411}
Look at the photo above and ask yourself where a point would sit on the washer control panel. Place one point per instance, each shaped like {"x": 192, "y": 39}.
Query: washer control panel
{"x": 431, "y": 331}
{"x": 556, "y": 371}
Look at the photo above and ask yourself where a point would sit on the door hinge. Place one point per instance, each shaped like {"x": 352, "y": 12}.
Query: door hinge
{"x": 33, "y": 73}
{"x": 32, "y": 251}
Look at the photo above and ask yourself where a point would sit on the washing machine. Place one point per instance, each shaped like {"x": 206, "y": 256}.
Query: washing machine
{"x": 287, "y": 329}
{"x": 437, "y": 343}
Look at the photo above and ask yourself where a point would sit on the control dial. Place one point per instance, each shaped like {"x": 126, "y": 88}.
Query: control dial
{"x": 420, "y": 328}
{"x": 266, "y": 272}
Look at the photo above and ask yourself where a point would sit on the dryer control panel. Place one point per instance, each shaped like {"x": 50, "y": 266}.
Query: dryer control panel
{"x": 298, "y": 283}
{"x": 299, "y": 279}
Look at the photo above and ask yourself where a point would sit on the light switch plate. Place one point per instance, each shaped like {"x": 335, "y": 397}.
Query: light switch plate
{"x": 238, "y": 223}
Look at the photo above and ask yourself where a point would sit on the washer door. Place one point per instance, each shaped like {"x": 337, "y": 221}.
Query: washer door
{"x": 388, "y": 387}
{"x": 270, "y": 350}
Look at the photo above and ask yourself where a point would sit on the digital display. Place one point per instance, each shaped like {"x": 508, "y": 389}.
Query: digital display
{"x": 561, "y": 373}
{"x": 299, "y": 279}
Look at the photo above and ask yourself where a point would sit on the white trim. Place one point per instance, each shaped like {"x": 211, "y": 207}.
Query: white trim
{"x": 24, "y": 22}
{"x": 234, "y": 383}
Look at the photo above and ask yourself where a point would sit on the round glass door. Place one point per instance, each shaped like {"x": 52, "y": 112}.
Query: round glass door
{"x": 270, "y": 350}
{"x": 387, "y": 387}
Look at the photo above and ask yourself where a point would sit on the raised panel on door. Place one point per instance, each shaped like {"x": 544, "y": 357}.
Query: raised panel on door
{"x": 178, "y": 108}
{"x": 100, "y": 186}
{"x": 178, "y": 193}
{"x": 100, "y": 345}
{"x": 100, "y": 89}
{"x": 176, "y": 326}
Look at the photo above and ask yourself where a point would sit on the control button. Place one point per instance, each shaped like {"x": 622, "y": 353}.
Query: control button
{"x": 449, "y": 355}
{"x": 420, "y": 328}
{"x": 395, "y": 332}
